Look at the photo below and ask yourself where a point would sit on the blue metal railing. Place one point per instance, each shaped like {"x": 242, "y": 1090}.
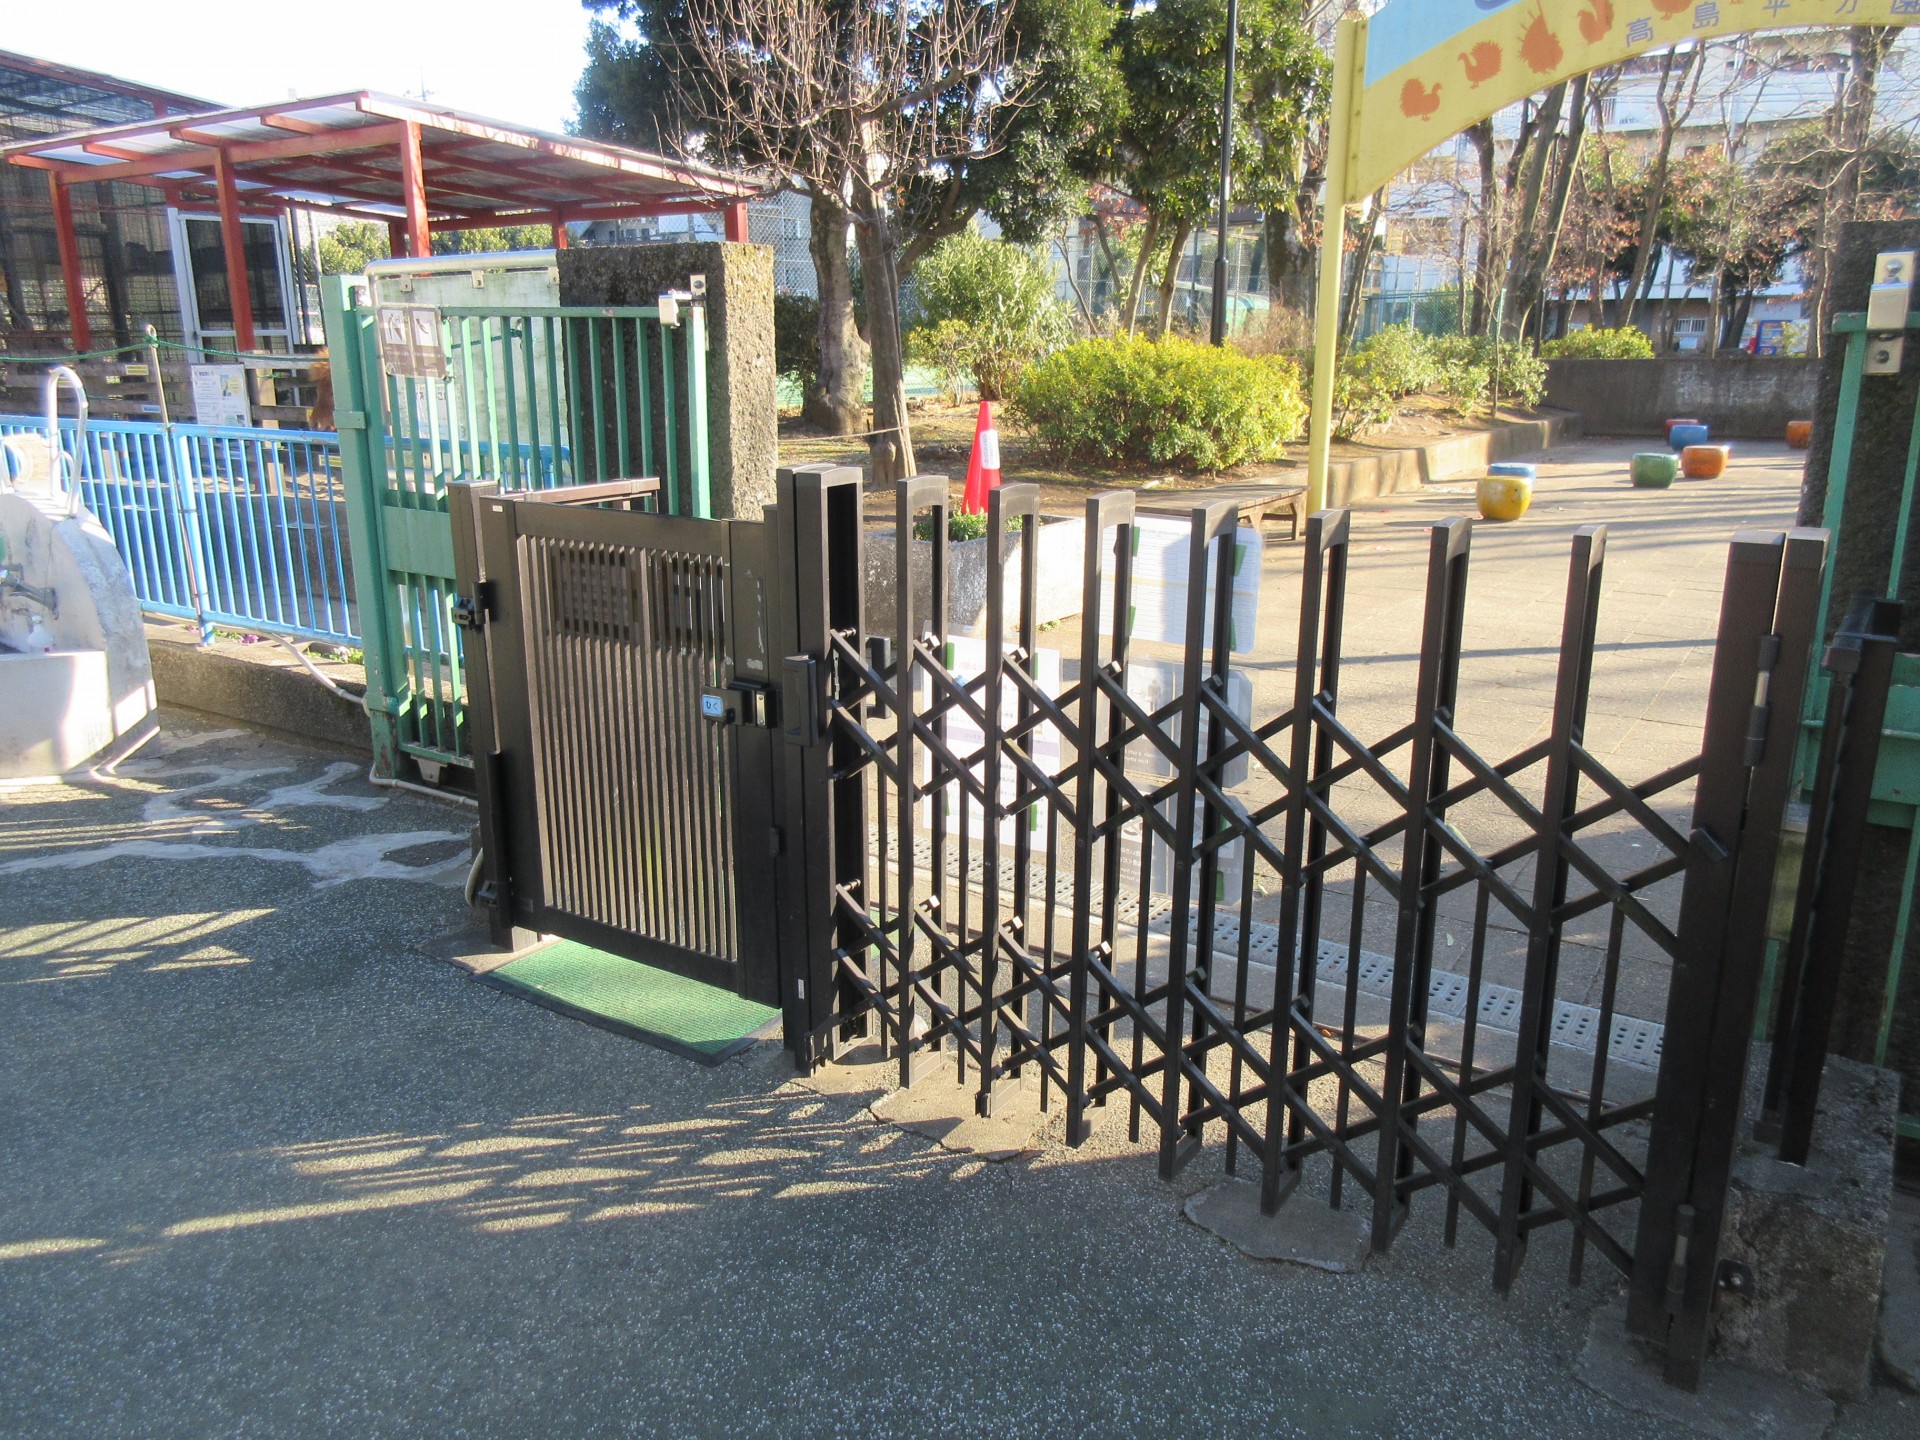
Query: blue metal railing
{"x": 221, "y": 525}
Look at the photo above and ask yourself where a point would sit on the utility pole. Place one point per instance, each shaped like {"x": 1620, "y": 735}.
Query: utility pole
{"x": 1226, "y": 178}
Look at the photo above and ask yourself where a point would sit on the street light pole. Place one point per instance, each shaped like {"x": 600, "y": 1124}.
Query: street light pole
{"x": 1226, "y": 178}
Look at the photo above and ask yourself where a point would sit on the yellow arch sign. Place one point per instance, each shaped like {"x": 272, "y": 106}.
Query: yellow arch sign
{"x": 1421, "y": 71}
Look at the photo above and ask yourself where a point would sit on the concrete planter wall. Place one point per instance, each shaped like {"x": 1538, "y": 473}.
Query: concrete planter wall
{"x": 1059, "y": 555}
{"x": 1741, "y": 397}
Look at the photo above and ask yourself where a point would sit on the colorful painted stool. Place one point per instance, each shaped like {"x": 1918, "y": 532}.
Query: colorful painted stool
{"x": 1704, "y": 462}
{"x": 1681, "y": 436}
{"x": 1506, "y": 492}
{"x": 1655, "y": 469}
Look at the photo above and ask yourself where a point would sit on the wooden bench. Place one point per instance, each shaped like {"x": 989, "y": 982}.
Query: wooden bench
{"x": 1256, "y": 502}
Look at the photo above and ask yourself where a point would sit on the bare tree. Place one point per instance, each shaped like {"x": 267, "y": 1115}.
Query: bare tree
{"x": 862, "y": 99}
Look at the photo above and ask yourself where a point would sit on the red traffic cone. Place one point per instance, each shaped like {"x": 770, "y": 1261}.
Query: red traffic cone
{"x": 983, "y": 466}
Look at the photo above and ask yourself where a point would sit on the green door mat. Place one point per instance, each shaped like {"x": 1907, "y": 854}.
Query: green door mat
{"x": 684, "y": 1016}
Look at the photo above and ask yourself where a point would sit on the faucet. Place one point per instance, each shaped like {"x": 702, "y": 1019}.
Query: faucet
{"x": 44, "y": 596}
{"x": 56, "y": 457}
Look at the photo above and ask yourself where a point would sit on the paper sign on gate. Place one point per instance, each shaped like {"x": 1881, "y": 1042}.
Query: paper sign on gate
{"x": 966, "y": 659}
{"x": 1162, "y": 552}
{"x": 1155, "y": 684}
{"x": 220, "y": 395}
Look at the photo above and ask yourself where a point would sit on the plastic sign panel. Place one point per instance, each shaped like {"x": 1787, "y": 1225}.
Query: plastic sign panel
{"x": 1434, "y": 67}
{"x": 410, "y": 345}
{"x": 966, "y": 659}
{"x": 220, "y": 395}
{"x": 1162, "y": 556}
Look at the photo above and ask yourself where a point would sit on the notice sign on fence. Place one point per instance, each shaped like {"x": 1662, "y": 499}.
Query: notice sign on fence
{"x": 1162, "y": 550}
{"x": 220, "y": 395}
{"x": 410, "y": 342}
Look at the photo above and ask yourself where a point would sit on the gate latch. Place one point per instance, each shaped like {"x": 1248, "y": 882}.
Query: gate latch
{"x": 742, "y": 703}
{"x": 468, "y": 613}
{"x": 804, "y": 706}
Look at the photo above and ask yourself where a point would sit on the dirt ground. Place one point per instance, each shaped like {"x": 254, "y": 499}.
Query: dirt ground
{"x": 943, "y": 439}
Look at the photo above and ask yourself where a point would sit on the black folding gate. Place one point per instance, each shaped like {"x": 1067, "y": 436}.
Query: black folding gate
{"x": 694, "y": 749}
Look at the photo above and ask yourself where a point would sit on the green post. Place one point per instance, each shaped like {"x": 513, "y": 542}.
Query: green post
{"x": 699, "y": 478}
{"x": 362, "y": 478}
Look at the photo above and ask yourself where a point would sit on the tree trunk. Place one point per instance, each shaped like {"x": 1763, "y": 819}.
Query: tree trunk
{"x": 1290, "y": 267}
{"x": 1481, "y": 311}
{"x": 1854, "y": 124}
{"x": 833, "y": 401}
{"x": 1528, "y": 287}
{"x": 891, "y": 447}
{"x": 1357, "y": 282}
{"x": 1671, "y": 119}
{"x": 1170, "y": 278}
{"x": 1130, "y": 316}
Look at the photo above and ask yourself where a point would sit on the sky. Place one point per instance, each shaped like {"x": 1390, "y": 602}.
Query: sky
{"x": 513, "y": 60}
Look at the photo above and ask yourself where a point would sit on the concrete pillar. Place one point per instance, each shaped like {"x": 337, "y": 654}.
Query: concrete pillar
{"x": 1863, "y": 554}
{"x": 742, "y": 418}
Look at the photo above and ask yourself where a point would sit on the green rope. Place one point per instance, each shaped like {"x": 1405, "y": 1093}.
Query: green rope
{"x": 8, "y": 358}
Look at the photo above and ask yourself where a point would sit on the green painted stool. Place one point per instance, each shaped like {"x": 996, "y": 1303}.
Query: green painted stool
{"x": 1655, "y": 469}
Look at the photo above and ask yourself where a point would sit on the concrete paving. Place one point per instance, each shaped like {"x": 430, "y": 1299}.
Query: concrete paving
{"x": 270, "y": 1171}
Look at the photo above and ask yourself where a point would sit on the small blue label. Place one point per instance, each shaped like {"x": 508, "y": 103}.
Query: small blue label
{"x": 713, "y": 707}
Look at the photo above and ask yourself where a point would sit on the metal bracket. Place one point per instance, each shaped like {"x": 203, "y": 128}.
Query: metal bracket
{"x": 1734, "y": 1278}
{"x": 468, "y": 612}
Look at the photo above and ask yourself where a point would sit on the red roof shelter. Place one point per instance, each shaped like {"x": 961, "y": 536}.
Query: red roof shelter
{"x": 414, "y": 166}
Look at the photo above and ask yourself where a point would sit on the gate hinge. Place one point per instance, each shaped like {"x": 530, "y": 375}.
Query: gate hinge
{"x": 349, "y": 420}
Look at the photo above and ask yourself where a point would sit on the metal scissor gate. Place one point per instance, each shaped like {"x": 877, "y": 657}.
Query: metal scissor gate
{"x": 1121, "y": 880}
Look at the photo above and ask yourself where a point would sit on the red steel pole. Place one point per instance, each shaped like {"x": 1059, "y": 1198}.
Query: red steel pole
{"x": 70, "y": 276}
{"x": 233, "y": 242}
{"x": 413, "y": 180}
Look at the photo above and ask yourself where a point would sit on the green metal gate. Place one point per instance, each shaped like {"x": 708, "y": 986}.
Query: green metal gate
{"x": 526, "y": 397}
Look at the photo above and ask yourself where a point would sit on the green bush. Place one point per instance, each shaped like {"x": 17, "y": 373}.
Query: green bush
{"x": 961, "y": 525}
{"x": 1625, "y": 343}
{"x": 1462, "y": 369}
{"x": 980, "y": 311}
{"x": 1127, "y": 400}
{"x": 1379, "y": 373}
{"x": 796, "y": 338}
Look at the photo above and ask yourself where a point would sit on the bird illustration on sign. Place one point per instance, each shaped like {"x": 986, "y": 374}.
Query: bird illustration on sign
{"x": 1596, "y": 21}
{"x": 1419, "y": 101}
{"x": 1672, "y": 7}
{"x": 1482, "y": 63}
{"x": 1540, "y": 47}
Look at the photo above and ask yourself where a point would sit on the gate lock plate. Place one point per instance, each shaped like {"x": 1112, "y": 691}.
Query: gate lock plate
{"x": 742, "y": 704}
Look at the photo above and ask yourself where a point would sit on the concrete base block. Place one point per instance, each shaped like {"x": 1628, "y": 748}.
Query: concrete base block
{"x": 1303, "y": 1232}
{"x": 1733, "y": 1401}
{"x": 1815, "y": 1237}
{"x": 942, "y": 1110}
{"x": 1900, "y": 1300}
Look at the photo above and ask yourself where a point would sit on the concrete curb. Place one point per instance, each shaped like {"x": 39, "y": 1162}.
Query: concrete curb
{"x": 1393, "y": 471}
{"x": 282, "y": 698}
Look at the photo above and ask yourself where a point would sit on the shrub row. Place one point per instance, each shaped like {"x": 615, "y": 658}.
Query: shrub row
{"x": 1625, "y": 343}
{"x": 1401, "y": 361}
{"x": 1127, "y": 400}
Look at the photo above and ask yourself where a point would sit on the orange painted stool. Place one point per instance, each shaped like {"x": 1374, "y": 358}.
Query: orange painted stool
{"x": 1800, "y": 434}
{"x": 1703, "y": 462}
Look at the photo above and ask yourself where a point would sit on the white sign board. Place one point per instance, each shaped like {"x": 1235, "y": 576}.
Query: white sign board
{"x": 967, "y": 659}
{"x": 220, "y": 395}
{"x": 410, "y": 342}
{"x": 1162, "y": 550}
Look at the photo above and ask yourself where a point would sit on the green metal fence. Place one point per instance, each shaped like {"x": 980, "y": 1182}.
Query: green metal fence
{"x": 529, "y": 398}
{"x": 1896, "y": 783}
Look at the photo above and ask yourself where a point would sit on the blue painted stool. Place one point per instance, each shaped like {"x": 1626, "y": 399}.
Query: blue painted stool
{"x": 1681, "y": 436}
